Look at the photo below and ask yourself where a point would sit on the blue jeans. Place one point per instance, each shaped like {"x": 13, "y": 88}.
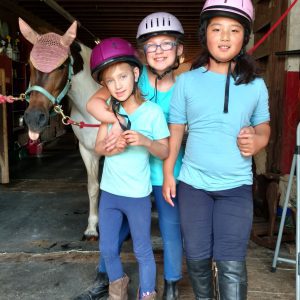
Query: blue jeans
{"x": 216, "y": 224}
{"x": 112, "y": 210}
{"x": 169, "y": 224}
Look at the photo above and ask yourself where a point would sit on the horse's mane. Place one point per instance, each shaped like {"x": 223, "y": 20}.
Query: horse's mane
{"x": 78, "y": 60}
{"x": 75, "y": 49}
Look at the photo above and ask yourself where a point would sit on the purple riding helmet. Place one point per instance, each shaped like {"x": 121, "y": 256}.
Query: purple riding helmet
{"x": 110, "y": 51}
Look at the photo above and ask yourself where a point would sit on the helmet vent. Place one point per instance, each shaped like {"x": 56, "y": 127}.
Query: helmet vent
{"x": 157, "y": 23}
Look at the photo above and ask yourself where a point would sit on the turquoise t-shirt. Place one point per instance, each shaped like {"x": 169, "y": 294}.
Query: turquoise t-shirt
{"x": 128, "y": 173}
{"x": 163, "y": 100}
{"x": 212, "y": 159}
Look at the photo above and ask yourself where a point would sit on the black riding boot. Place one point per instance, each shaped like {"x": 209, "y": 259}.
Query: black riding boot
{"x": 98, "y": 290}
{"x": 232, "y": 278}
{"x": 200, "y": 273}
{"x": 170, "y": 290}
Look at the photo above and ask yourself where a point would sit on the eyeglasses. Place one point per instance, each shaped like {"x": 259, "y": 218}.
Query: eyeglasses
{"x": 165, "y": 46}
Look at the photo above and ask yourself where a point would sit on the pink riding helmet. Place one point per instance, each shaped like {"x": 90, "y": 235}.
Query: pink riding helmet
{"x": 110, "y": 51}
{"x": 159, "y": 23}
{"x": 242, "y": 10}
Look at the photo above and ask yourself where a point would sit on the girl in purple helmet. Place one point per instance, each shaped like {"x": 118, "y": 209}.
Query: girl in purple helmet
{"x": 224, "y": 103}
{"x": 160, "y": 39}
{"x": 125, "y": 181}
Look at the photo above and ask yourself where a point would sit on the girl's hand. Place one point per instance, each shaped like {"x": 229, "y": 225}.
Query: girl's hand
{"x": 169, "y": 189}
{"x": 246, "y": 141}
{"x": 134, "y": 138}
{"x": 112, "y": 138}
{"x": 121, "y": 144}
{"x": 251, "y": 140}
{"x": 158, "y": 148}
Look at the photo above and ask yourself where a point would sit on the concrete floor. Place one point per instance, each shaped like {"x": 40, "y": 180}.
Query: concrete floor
{"x": 43, "y": 213}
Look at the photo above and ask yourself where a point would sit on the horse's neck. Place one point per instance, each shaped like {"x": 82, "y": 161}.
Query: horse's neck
{"x": 83, "y": 85}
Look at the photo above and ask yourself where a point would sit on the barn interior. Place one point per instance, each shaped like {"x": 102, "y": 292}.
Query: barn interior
{"x": 43, "y": 198}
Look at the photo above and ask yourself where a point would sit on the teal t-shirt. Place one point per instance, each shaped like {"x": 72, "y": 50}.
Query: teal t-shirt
{"x": 212, "y": 159}
{"x": 163, "y": 100}
{"x": 128, "y": 173}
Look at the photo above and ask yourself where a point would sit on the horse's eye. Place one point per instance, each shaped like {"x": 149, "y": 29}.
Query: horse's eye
{"x": 61, "y": 67}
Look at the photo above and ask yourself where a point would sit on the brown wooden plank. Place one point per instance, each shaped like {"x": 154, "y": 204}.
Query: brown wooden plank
{"x": 263, "y": 16}
{"x": 4, "y": 166}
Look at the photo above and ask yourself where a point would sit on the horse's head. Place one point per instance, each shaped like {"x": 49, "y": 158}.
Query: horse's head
{"x": 50, "y": 74}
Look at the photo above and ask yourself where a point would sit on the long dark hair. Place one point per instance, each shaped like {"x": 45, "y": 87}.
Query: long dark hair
{"x": 246, "y": 68}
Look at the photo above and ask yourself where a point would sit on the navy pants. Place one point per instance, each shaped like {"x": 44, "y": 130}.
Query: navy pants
{"x": 215, "y": 224}
{"x": 113, "y": 208}
{"x": 169, "y": 224}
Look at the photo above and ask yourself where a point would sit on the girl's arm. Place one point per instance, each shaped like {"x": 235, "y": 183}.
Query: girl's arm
{"x": 175, "y": 140}
{"x": 157, "y": 148}
{"x": 253, "y": 139}
{"x": 99, "y": 109}
{"x": 100, "y": 145}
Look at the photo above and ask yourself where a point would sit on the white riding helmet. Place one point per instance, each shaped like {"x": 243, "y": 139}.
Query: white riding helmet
{"x": 159, "y": 23}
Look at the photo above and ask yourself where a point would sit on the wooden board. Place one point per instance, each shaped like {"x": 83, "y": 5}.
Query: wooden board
{"x": 4, "y": 165}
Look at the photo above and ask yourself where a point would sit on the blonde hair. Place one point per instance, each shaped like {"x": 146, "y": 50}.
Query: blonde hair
{"x": 138, "y": 96}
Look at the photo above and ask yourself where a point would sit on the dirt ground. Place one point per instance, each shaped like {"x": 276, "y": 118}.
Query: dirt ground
{"x": 43, "y": 214}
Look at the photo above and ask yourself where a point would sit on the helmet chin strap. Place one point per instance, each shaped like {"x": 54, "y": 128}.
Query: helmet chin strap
{"x": 116, "y": 108}
{"x": 227, "y": 84}
{"x": 161, "y": 76}
{"x": 174, "y": 66}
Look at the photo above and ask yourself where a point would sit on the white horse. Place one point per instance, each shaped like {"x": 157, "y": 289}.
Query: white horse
{"x": 47, "y": 88}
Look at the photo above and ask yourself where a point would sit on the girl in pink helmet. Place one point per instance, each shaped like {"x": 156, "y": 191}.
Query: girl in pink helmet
{"x": 125, "y": 182}
{"x": 224, "y": 103}
{"x": 160, "y": 39}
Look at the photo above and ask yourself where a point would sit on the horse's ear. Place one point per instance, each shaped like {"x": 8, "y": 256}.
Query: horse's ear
{"x": 68, "y": 38}
{"x": 28, "y": 33}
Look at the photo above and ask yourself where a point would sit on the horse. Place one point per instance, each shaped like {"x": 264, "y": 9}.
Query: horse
{"x": 59, "y": 66}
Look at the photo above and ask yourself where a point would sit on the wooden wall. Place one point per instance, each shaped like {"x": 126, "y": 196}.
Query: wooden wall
{"x": 267, "y": 13}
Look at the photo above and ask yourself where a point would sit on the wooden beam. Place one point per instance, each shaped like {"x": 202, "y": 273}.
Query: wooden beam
{"x": 33, "y": 20}
{"x": 4, "y": 164}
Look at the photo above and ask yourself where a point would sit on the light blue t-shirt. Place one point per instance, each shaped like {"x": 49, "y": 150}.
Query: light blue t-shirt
{"x": 163, "y": 100}
{"x": 128, "y": 173}
{"x": 212, "y": 159}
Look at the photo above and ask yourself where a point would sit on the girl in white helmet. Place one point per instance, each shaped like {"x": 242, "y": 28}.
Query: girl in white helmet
{"x": 224, "y": 103}
{"x": 160, "y": 37}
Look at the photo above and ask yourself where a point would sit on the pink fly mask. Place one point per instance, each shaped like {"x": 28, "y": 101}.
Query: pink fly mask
{"x": 49, "y": 50}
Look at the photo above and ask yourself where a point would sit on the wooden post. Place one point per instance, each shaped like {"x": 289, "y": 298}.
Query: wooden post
{"x": 4, "y": 165}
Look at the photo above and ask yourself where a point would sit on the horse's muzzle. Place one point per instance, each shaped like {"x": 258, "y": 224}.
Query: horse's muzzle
{"x": 36, "y": 119}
